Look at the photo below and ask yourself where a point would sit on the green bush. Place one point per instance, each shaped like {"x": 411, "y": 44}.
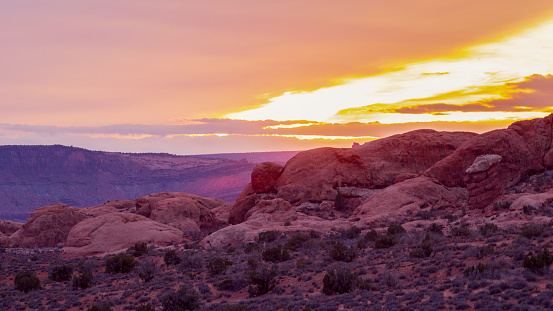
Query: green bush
{"x": 26, "y": 281}
{"x": 540, "y": 262}
{"x": 146, "y": 307}
{"x": 341, "y": 252}
{"x": 171, "y": 258}
{"x": 371, "y": 235}
{"x": 487, "y": 229}
{"x": 61, "y": 273}
{"x": 139, "y": 249}
{"x": 460, "y": 231}
{"x": 85, "y": 280}
{"x": 252, "y": 247}
{"x": 532, "y": 230}
{"x": 120, "y": 264}
{"x": 103, "y": 307}
{"x": 218, "y": 265}
{"x": 435, "y": 228}
{"x": 424, "y": 250}
{"x": 262, "y": 281}
{"x": 232, "y": 285}
{"x": 268, "y": 236}
{"x": 340, "y": 202}
{"x": 501, "y": 205}
{"x": 147, "y": 269}
{"x": 352, "y": 233}
{"x": 296, "y": 241}
{"x": 385, "y": 241}
{"x": 186, "y": 298}
{"x": 339, "y": 280}
{"x": 476, "y": 272}
{"x": 395, "y": 229}
{"x": 275, "y": 254}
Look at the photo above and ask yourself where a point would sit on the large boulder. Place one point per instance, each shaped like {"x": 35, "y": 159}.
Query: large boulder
{"x": 9, "y": 227}
{"x": 185, "y": 211}
{"x": 314, "y": 175}
{"x": 406, "y": 197}
{"x": 264, "y": 177}
{"x": 524, "y": 148}
{"x": 271, "y": 214}
{"x": 48, "y": 226}
{"x": 115, "y": 232}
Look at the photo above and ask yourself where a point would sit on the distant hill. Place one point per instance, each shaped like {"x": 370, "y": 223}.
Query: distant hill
{"x": 280, "y": 157}
{"x": 35, "y": 176}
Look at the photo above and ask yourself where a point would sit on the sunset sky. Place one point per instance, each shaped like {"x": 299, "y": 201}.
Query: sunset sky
{"x": 193, "y": 77}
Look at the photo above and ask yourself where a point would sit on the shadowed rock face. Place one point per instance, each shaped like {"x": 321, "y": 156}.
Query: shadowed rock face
{"x": 34, "y": 176}
{"x": 524, "y": 148}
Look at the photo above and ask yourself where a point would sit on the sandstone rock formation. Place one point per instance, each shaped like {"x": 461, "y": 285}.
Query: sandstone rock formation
{"x": 115, "y": 232}
{"x": 273, "y": 214}
{"x": 314, "y": 175}
{"x": 524, "y": 147}
{"x": 411, "y": 195}
{"x": 7, "y": 228}
{"x": 264, "y": 177}
{"x": 318, "y": 175}
{"x": 48, "y": 226}
{"x": 185, "y": 211}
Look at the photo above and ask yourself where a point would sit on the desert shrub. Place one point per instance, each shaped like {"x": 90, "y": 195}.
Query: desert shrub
{"x": 146, "y": 307}
{"x": 218, "y": 265}
{"x": 341, "y": 252}
{"x": 435, "y": 228}
{"x": 147, "y": 269}
{"x": 480, "y": 251}
{"x": 460, "y": 231}
{"x": 85, "y": 280}
{"x": 262, "y": 281}
{"x": 371, "y": 235}
{"x": 314, "y": 234}
{"x": 476, "y": 272}
{"x": 352, "y": 233}
{"x": 139, "y": 249}
{"x": 275, "y": 254}
{"x": 171, "y": 258}
{"x": 268, "y": 236}
{"x": 540, "y": 262}
{"x": 339, "y": 279}
{"x": 237, "y": 307}
{"x": 252, "y": 247}
{"x": 191, "y": 261}
{"x": 120, "y": 264}
{"x": 527, "y": 209}
{"x": 395, "y": 229}
{"x": 102, "y": 307}
{"x": 501, "y": 205}
{"x": 340, "y": 202}
{"x": 61, "y": 273}
{"x": 296, "y": 241}
{"x": 385, "y": 241}
{"x": 26, "y": 281}
{"x": 487, "y": 229}
{"x": 531, "y": 230}
{"x": 424, "y": 250}
{"x": 186, "y": 298}
{"x": 231, "y": 285}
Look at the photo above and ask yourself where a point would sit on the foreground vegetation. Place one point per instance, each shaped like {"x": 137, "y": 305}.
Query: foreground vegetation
{"x": 432, "y": 267}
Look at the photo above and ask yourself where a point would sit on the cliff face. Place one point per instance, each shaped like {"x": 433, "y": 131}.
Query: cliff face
{"x": 34, "y": 176}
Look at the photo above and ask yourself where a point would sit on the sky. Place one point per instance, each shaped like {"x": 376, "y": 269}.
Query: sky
{"x": 196, "y": 77}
